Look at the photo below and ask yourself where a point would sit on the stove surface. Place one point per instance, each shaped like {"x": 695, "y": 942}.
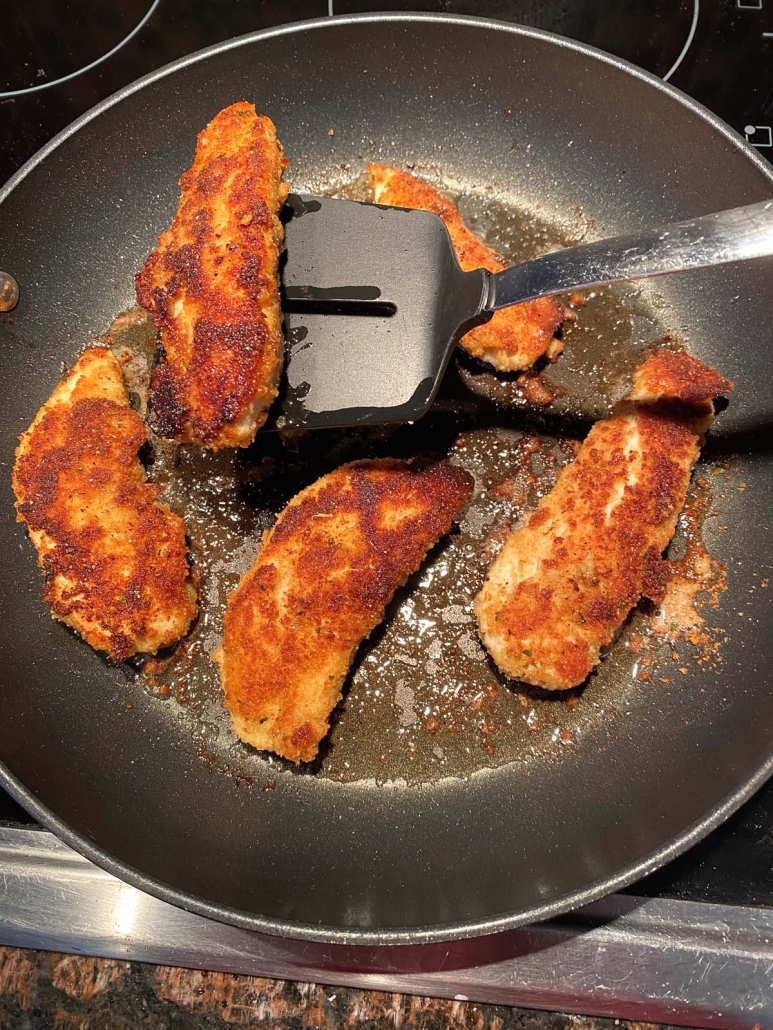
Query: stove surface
{"x": 61, "y": 57}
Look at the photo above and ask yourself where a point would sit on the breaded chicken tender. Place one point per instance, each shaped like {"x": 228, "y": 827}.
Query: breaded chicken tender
{"x": 114, "y": 560}
{"x": 212, "y": 287}
{"x": 319, "y": 586}
{"x": 515, "y": 337}
{"x": 563, "y": 583}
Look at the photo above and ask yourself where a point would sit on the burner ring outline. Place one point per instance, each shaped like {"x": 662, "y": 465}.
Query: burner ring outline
{"x": 688, "y": 43}
{"x": 11, "y": 94}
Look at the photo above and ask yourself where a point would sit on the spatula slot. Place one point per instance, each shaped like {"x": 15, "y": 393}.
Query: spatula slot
{"x": 336, "y": 300}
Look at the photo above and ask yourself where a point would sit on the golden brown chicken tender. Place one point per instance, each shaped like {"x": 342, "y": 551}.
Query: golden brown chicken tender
{"x": 319, "y": 586}
{"x": 114, "y": 560}
{"x": 212, "y": 287}
{"x": 515, "y": 337}
{"x": 563, "y": 583}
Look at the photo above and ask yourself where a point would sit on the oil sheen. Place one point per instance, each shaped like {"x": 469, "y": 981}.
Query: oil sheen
{"x": 424, "y": 701}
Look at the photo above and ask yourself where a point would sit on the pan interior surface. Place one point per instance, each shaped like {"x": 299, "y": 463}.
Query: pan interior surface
{"x": 370, "y": 845}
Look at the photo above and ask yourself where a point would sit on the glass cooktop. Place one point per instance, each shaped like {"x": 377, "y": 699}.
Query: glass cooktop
{"x": 60, "y": 57}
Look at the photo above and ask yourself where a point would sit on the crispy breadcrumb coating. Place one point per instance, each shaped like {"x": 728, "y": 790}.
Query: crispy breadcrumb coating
{"x": 563, "y": 583}
{"x": 212, "y": 287}
{"x": 319, "y": 586}
{"x": 114, "y": 560}
{"x": 515, "y": 337}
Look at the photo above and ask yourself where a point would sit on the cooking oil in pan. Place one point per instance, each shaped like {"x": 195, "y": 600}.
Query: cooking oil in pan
{"x": 424, "y": 701}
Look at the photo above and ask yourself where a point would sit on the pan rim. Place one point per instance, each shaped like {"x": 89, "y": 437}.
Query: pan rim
{"x": 491, "y": 24}
{"x": 395, "y": 937}
{"x": 353, "y": 936}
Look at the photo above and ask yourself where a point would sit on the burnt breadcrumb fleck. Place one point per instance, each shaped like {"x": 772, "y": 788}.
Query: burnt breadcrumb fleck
{"x": 515, "y": 337}
{"x": 319, "y": 586}
{"x": 563, "y": 583}
{"x": 212, "y": 287}
{"x": 114, "y": 560}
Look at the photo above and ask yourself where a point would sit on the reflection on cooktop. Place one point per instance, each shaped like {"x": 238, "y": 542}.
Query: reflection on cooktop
{"x": 655, "y": 35}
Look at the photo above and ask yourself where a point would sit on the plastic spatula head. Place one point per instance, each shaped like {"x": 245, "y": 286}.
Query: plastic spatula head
{"x": 374, "y": 301}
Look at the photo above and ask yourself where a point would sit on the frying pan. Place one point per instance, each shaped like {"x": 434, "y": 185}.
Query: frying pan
{"x": 557, "y": 127}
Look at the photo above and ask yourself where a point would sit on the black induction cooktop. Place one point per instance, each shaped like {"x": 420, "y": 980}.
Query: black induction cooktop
{"x": 60, "y": 57}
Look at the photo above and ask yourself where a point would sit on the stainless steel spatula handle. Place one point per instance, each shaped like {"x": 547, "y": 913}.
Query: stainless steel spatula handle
{"x": 735, "y": 235}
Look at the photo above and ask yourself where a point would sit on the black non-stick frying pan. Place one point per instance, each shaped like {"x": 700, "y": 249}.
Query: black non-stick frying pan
{"x": 160, "y": 794}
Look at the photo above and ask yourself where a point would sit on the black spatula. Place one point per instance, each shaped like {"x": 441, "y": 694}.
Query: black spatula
{"x": 375, "y": 300}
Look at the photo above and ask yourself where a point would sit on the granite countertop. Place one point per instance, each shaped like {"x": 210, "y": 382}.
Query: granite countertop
{"x": 49, "y": 991}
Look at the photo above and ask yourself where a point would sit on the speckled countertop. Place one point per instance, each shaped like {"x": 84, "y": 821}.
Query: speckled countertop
{"x": 48, "y": 991}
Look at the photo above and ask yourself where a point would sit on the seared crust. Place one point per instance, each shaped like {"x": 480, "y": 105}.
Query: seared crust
{"x": 320, "y": 584}
{"x": 114, "y": 560}
{"x": 670, "y": 375}
{"x": 563, "y": 583}
{"x": 513, "y": 338}
{"x": 213, "y": 289}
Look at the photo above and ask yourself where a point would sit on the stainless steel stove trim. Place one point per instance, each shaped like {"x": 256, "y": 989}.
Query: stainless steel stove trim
{"x": 658, "y": 960}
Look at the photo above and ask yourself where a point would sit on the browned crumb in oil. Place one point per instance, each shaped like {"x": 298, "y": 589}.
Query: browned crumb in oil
{"x": 424, "y": 688}
{"x": 425, "y": 702}
{"x": 536, "y": 391}
{"x": 428, "y": 672}
{"x": 155, "y": 666}
{"x": 696, "y": 582}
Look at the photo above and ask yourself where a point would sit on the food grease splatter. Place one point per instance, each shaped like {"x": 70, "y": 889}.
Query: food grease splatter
{"x": 425, "y": 701}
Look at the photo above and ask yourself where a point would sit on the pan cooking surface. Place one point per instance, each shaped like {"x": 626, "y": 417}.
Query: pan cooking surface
{"x": 446, "y": 802}
{"x": 425, "y": 702}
